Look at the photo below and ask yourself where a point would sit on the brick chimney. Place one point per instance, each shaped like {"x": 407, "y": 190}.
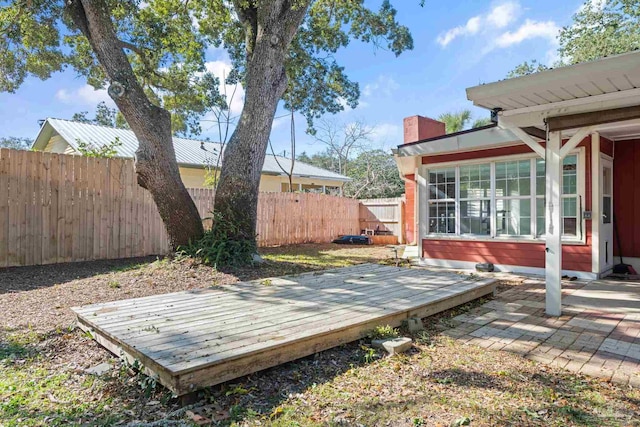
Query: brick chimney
{"x": 417, "y": 128}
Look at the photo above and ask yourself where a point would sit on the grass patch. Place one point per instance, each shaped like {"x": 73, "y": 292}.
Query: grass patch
{"x": 383, "y": 332}
{"x": 33, "y": 395}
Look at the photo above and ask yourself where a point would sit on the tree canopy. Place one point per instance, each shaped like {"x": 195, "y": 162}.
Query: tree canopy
{"x": 459, "y": 120}
{"x": 15, "y": 143}
{"x": 104, "y": 116}
{"x": 374, "y": 172}
{"x": 39, "y": 38}
{"x": 168, "y": 56}
{"x": 599, "y": 28}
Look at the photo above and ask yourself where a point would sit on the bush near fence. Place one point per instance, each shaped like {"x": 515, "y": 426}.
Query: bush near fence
{"x": 60, "y": 208}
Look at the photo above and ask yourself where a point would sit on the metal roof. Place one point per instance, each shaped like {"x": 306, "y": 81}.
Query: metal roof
{"x": 189, "y": 152}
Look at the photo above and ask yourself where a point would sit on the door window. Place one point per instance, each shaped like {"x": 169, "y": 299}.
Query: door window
{"x": 606, "y": 195}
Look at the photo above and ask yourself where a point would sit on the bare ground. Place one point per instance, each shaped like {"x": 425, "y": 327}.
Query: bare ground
{"x": 441, "y": 382}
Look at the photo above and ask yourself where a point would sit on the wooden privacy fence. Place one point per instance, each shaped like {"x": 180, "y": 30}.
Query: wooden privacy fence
{"x": 60, "y": 208}
{"x": 384, "y": 215}
{"x": 290, "y": 218}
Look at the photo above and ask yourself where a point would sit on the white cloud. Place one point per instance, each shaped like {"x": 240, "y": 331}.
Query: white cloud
{"x": 384, "y": 85}
{"x": 552, "y": 56}
{"x": 280, "y": 121}
{"x": 85, "y": 95}
{"x": 471, "y": 27}
{"x": 499, "y": 16}
{"x": 503, "y": 14}
{"x": 234, "y": 93}
{"x": 528, "y": 30}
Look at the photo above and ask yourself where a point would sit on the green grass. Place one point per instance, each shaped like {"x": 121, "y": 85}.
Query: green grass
{"x": 34, "y": 394}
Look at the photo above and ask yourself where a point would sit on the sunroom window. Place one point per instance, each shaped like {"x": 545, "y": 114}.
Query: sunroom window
{"x": 570, "y": 214}
{"x": 513, "y": 198}
{"x": 442, "y": 200}
{"x": 475, "y": 199}
{"x": 500, "y": 199}
{"x": 570, "y": 205}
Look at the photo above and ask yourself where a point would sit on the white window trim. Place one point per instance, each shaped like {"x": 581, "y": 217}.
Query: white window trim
{"x": 424, "y": 213}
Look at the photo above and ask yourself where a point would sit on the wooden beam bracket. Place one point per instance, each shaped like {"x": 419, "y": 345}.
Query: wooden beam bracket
{"x": 528, "y": 139}
{"x": 575, "y": 140}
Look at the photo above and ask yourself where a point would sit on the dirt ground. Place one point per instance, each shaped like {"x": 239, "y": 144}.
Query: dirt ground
{"x": 39, "y": 297}
{"x": 440, "y": 382}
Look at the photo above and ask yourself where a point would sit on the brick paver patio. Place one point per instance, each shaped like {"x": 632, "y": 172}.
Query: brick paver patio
{"x": 599, "y": 338}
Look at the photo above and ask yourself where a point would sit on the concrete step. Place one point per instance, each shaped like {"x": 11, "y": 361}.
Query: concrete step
{"x": 411, "y": 252}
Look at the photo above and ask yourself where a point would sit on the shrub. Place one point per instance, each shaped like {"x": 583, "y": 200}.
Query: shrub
{"x": 219, "y": 246}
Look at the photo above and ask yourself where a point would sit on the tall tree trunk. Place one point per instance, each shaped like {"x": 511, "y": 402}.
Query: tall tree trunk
{"x": 270, "y": 28}
{"x": 155, "y": 162}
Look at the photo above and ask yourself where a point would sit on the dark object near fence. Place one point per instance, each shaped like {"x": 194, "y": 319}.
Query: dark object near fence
{"x": 485, "y": 266}
{"x": 621, "y": 268}
{"x": 352, "y": 240}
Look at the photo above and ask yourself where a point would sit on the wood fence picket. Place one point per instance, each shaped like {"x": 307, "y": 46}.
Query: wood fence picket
{"x": 59, "y": 208}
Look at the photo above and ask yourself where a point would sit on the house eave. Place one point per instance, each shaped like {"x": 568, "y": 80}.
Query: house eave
{"x": 481, "y": 139}
{"x": 487, "y": 95}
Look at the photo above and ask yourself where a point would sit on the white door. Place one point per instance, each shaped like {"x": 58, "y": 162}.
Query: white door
{"x": 606, "y": 219}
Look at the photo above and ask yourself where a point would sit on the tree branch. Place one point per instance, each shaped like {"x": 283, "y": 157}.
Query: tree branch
{"x": 141, "y": 54}
{"x": 248, "y": 16}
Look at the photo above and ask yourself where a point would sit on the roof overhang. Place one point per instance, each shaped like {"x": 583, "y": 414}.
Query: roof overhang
{"x": 480, "y": 139}
{"x": 271, "y": 173}
{"x": 44, "y": 135}
{"x": 606, "y": 84}
{"x": 408, "y": 156}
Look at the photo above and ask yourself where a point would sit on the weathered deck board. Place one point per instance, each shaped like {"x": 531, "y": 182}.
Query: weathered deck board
{"x": 194, "y": 339}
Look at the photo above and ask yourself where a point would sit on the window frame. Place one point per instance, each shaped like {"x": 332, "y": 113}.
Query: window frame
{"x": 507, "y": 199}
{"x": 455, "y": 200}
{"x": 468, "y": 199}
{"x": 422, "y": 200}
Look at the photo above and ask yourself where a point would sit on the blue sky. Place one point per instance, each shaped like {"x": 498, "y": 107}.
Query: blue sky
{"x": 457, "y": 44}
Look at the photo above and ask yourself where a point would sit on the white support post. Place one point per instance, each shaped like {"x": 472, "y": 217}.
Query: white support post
{"x": 401, "y": 220}
{"x": 419, "y": 201}
{"x": 595, "y": 204}
{"x": 553, "y": 256}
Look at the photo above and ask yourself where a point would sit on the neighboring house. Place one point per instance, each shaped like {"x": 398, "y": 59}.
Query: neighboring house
{"x": 194, "y": 157}
{"x": 542, "y": 188}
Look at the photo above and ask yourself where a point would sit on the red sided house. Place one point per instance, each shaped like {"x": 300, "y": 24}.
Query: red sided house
{"x": 542, "y": 189}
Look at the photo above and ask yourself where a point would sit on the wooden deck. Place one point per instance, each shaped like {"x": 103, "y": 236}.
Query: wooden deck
{"x": 194, "y": 339}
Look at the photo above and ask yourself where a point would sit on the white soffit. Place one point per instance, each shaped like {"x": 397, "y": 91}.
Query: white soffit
{"x": 621, "y": 130}
{"x": 606, "y": 83}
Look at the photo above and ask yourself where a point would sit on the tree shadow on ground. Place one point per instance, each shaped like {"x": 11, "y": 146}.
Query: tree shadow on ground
{"x": 18, "y": 279}
{"x": 440, "y": 394}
